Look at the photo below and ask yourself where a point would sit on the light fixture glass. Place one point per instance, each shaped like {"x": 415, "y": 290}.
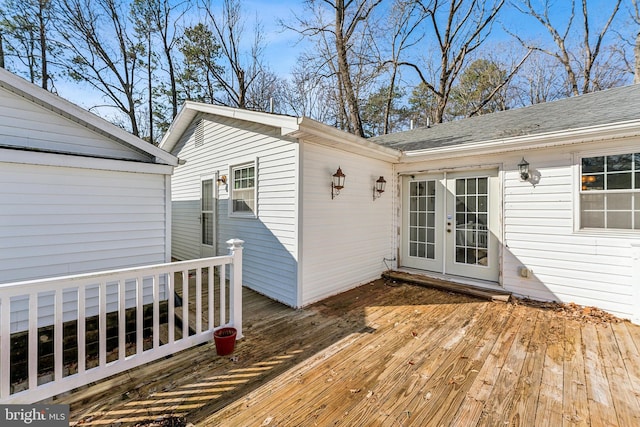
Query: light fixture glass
{"x": 379, "y": 187}
{"x": 337, "y": 183}
{"x": 523, "y": 167}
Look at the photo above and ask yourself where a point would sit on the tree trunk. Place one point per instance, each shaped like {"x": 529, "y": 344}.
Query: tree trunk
{"x": 636, "y": 51}
{"x": 43, "y": 45}
{"x": 343, "y": 72}
{"x": 1, "y": 50}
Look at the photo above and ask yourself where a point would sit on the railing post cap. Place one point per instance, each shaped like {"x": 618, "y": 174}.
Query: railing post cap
{"x": 235, "y": 243}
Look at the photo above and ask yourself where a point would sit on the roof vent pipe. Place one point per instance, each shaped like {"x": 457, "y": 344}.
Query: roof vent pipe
{"x": 271, "y": 105}
{"x": 411, "y": 124}
{"x": 428, "y": 121}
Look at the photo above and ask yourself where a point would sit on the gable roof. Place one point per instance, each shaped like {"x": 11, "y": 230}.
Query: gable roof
{"x": 575, "y": 117}
{"x": 82, "y": 117}
{"x": 302, "y": 128}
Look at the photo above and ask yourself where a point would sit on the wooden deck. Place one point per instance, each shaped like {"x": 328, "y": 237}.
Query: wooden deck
{"x": 390, "y": 356}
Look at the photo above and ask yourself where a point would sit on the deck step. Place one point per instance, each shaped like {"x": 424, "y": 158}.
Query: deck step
{"x": 447, "y": 285}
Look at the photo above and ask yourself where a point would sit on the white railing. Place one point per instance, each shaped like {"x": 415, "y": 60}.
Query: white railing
{"x": 61, "y": 333}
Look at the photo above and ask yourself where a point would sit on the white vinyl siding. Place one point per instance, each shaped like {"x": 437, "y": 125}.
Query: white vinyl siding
{"x": 567, "y": 264}
{"x": 345, "y": 239}
{"x": 59, "y": 221}
{"x": 24, "y": 124}
{"x": 270, "y": 254}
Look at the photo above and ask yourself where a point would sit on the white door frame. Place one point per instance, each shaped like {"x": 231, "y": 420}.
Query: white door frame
{"x": 446, "y": 230}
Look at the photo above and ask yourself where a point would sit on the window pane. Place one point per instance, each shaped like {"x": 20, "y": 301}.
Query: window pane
{"x": 592, "y": 220}
{"x": 431, "y": 188}
{"x": 592, "y": 202}
{"x": 619, "y": 220}
{"x": 207, "y": 228}
{"x": 431, "y": 204}
{"x": 471, "y": 204}
{"x": 637, "y": 186}
{"x": 593, "y": 164}
{"x": 431, "y": 220}
{"x": 431, "y": 235}
{"x": 592, "y": 182}
{"x": 619, "y": 202}
{"x": 431, "y": 251}
{"x": 460, "y": 186}
{"x": 422, "y": 204}
{"x": 636, "y": 220}
{"x": 471, "y": 186}
{"x": 482, "y": 186}
{"x": 636, "y": 203}
{"x": 482, "y": 204}
{"x": 207, "y": 195}
{"x": 621, "y": 162}
{"x": 413, "y": 189}
{"x": 619, "y": 181}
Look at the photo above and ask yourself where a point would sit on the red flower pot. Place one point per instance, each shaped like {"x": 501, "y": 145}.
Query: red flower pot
{"x": 225, "y": 339}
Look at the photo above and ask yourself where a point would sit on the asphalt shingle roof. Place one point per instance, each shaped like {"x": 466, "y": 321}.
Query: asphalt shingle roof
{"x": 593, "y": 109}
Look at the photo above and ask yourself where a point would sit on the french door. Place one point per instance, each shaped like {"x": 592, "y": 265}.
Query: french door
{"x": 451, "y": 222}
{"x": 208, "y": 202}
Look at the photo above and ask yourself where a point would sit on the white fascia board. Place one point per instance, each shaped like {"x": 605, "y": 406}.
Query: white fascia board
{"x": 330, "y": 136}
{"x": 286, "y": 124}
{"x": 543, "y": 140}
{"x": 71, "y": 111}
{"x": 72, "y": 161}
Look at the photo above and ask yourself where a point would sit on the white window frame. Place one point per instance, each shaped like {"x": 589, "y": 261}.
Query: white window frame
{"x": 232, "y": 169}
{"x": 579, "y": 192}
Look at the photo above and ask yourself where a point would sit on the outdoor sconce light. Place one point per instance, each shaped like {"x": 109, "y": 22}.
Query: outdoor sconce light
{"x": 222, "y": 180}
{"x": 523, "y": 167}
{"x": 378, "y": 189}
{"x": 337, "y": 183}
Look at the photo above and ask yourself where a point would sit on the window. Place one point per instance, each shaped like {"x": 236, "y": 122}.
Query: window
{"x": 243, "y": 190}
{"x": 610, "y": 192}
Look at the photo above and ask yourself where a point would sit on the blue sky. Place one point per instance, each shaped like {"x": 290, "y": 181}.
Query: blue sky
{"x": 283, "y": 46}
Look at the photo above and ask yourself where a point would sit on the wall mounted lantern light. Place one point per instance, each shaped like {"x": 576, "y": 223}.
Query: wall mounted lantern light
{"x": 523, "y": 167}
{"x": 222, "y": 180}
{"x": 379, "y": 187}
{"x": 337, "y": 183}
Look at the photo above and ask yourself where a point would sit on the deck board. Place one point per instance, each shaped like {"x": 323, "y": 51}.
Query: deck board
{"x": 387, "y": 354}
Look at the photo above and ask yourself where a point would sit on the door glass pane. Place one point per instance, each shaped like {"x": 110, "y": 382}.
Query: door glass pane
{"x": 207, "y": 228}
{"x": 207, "y": 195}
{"x": 206, "y": 215}
{"x": 422, "y": 219}
{"x": 472, "y": 210}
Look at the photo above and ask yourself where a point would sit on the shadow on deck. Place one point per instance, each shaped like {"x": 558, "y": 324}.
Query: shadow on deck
{"x": 387, "y": 354}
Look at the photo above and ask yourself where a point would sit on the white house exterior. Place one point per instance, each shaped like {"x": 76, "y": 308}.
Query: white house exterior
{"x": 455, "y": 205}
{"x": 570, "y": 232}
{"x": 77, "y": 194}
{"x": 301, "y": 245}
